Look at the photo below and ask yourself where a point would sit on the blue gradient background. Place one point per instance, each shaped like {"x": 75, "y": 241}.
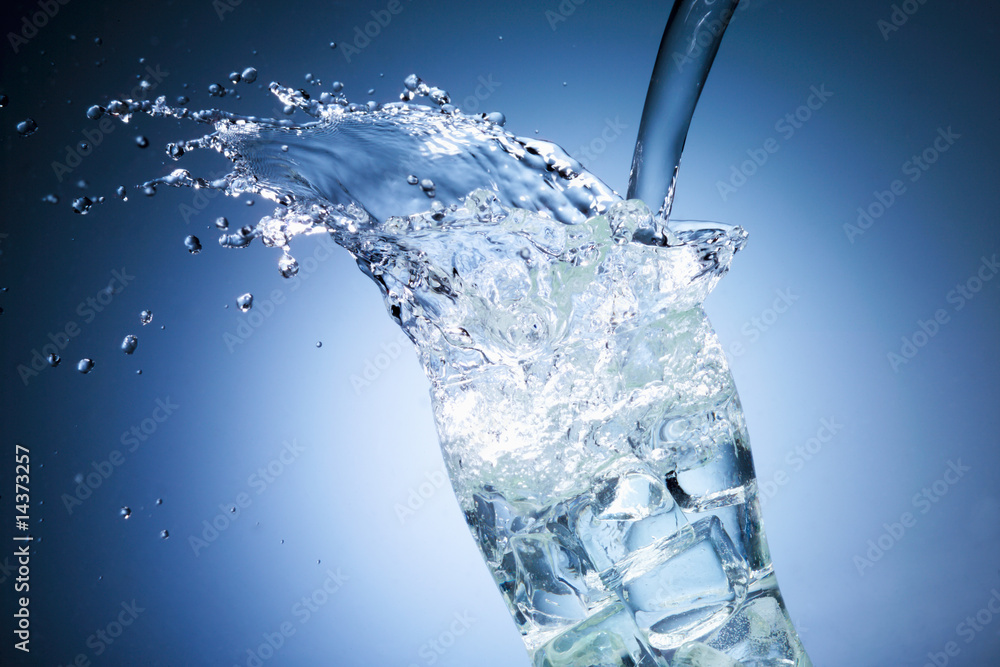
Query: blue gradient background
{"x": 366, "y": 451}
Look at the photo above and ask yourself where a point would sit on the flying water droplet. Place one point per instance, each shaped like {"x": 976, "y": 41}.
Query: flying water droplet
{"x": 125, "y": 512}
{"x": 164, "y": 534}
{"x": 26, "y": 127}
{"x": 249, "y": 75}
{"x": 122, "y": 193}
{"x": 141, "y": 141}
{"x": 288, "y": 266}
{"x": 217, "y": 90}
{"x": 192, "y": 243}
{"x": 129, "y": 344}
{"x": 245, "y": 302}
{"x": 85, "y": 365}
{"x": 319, "y": 343}
{"x": 82, "y": 205}
{"x": 53, "y": 359}
{"x": 145, "y": 317}
{"x": 235, "y": 77}
{"x": 51, "y": 199}
{"x": 95, "y": 112}
{"x": 412, "y": 180}
{"x": 159, "y": 501}
{"x": 221, "y": 223}
{"x": 4, "y": 100}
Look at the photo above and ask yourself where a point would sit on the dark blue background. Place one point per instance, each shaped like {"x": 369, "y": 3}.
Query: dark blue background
{"x": 366, "y": 449}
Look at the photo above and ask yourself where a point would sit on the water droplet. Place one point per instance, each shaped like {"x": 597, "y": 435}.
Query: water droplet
{"x": 141, "y": 141}
{"x": 129, "y": 343}
{"x": 83, "y": 184}
{"x": 319, "y": 343}
{"x": 412, "y": 180}
{"x": 427, "y": 185}
{"x": 175, "y": 150}
{"x": 95, "y": 112}
{"x": 333, "y": 45}
{"x": 164, "y": 534}
{"x": 159, "y": 501}
{"x": 182, "y": 99}
{"x": 98, "y": 41}
{"x": 53, "y": 359}
{"x": 125, "y": 512}
{"x": 51, "y": 199}
{"x": 149, "y": 190}
{"x": 216, "y": 90}
{"x": 245, "y": 302}
{"x": 221, "y": 223}
{"x": 235, "y": 77}
{"x": 232, "y": 510}
{"x": 336, "y": 86}
{"x": 4, "y": 100}
{"x": 122, "y": 193}
{"x": 138, "y": 371}
{"x": 26, "y": 127}
{"x": 496, "y": 118}
{"x": 85, "y": 365}
{"x": 192, "y": 243}
{"x": 284, "y": 148}
{"x": 82, "y": 205}
{"x": 371, "y": 91}
{"x": 146, "y": 316}
{"x": 287, "y": 266}
{"x": 249, "y": 75}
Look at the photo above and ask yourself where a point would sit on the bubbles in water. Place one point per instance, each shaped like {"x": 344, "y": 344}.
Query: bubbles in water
{"x": 53, "y": 359}
{"x": 95, "y": 112}
{"x": 249, "y": 75}
{"x": 26, "y": 127}
{"x": 164, "y": 534}
{"x": 245, "y": 302}
{"x": 125, "y": 512}
{"x": 145, "y": 317}
{"x": 141, "y": 141}
{"x": 221, "y": 223}
{"x": 85, "y": 365}
{"x": 82, "y": 205}
{"x": 235, "y": 77}
{"x": 217, "y": 90}
{"x": 129, "y": 344}
{"x": 192, "y": 243}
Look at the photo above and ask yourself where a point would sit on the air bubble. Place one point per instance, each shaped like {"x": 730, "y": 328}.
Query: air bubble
{"x": 245, "y": 302}
{"x": 145, "y": 317}
{"x": 85, "y": 365}
{"x": 129, "y": 343}
{"x": 192, "y": 243}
